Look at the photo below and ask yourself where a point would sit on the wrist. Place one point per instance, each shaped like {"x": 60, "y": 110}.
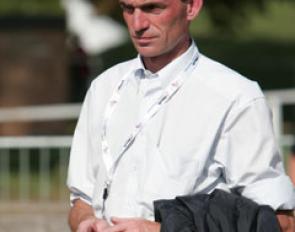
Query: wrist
{"x": 87, "y": 217}
{"x": 154, "y": 226}
{"x": 157, "y": 227}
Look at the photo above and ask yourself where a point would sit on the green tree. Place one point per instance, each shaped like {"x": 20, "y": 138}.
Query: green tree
{"x": 224, "y": 14}
{"x": 30, "y": 7}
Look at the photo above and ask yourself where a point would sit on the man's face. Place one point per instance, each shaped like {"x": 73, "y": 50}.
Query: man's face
{"x": 156, "y": 27}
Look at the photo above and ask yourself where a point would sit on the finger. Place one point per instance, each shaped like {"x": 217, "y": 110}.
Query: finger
{"x": 117, "y": 220}
{"x": 99, "y": 226}
{"x": 93, "y": 228}
{"x": 116, "y": 228}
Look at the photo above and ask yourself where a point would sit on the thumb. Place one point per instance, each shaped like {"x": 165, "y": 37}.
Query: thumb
{"x": 92, "y": 228}
{"x": 116, "y": 220}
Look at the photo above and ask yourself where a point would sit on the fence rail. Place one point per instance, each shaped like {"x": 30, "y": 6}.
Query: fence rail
{"x": 35, "y": 142}
{"x": 277, "y": 100}
{"x": 33, "y": 168}
{"x": 40, "y": 113}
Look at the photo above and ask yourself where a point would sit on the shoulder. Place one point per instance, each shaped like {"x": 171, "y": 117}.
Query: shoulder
{"x": 115, "y": 73}
{"x": 103, "y": 85}
{"x": 226, "y": 83}
{"x": 105, "y": 82}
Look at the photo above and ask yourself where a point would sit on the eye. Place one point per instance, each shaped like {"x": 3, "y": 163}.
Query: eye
{"x": 127, "y": 8}
{"x": 152, "y": 8}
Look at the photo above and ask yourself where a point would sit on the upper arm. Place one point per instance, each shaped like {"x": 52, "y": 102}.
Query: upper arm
{"x": 250, "y": 158}
{"x": 81, "y": 178}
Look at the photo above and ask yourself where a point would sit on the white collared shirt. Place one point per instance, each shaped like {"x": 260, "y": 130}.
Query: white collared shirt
{"x": 215, "y": 132}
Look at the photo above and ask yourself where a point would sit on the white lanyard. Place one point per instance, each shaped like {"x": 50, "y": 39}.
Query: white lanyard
{"x": 170, "y": 90}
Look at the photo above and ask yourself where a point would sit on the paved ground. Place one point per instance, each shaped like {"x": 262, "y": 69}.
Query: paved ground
{"x": 33, "y": 217}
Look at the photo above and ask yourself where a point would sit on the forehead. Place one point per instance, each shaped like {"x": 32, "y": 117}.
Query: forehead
{"x": 142, "y": 2}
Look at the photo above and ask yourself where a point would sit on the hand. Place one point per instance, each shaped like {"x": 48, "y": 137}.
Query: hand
{"x": 92, "y": 224}
{"x": 133, "y": 225}
{"x": 286, "y": 220}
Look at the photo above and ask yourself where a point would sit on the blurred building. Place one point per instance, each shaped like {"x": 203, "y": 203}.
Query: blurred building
{"x": 33, "y": 66}
{"x": 51, "y": 59}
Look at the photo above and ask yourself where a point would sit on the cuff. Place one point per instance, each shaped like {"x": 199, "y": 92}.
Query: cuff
{"x": 76, "y": 194}
{"x": 278, "y": 193}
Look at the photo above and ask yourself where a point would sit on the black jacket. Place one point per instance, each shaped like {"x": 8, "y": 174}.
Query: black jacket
{"x": 217, "y": 212}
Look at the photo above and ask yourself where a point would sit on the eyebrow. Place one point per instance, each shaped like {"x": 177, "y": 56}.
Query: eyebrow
{"x": 142, "y": 5}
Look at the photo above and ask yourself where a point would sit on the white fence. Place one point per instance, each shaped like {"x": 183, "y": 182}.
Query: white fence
{"x": 40, "y": 113}
{"x": 42, "y": 181}
{"x": 37, "y": 180}
{"x": 277, "y": 99}
{"x": 33, "y": 168}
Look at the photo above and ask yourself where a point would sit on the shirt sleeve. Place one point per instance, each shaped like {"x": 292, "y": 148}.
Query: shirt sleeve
{"x": 250, "y": 159}
{"x": 80, "y": 180}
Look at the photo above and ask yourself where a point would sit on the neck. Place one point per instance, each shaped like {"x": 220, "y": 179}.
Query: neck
{"x": 154, "y": 64}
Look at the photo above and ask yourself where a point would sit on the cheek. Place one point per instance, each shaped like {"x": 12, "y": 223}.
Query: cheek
{"x": 174, "y": 29}
{"x": 128, "y": 21}
{"x": 172, "y": 24}
{"x": 165, "y": 26}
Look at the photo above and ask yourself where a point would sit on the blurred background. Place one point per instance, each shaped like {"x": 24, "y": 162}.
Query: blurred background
{"x": 51, "y": 50}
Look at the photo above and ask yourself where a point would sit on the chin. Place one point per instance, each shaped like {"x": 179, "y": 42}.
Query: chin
{"x": 147, "y": 52}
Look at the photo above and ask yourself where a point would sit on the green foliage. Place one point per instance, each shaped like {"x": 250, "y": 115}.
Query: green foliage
{"x": 227, "y": 13}
{"x": 254, "y": 59}
{"x": 274, "y": 23}
{"x": 224, "y": 15}
{"x": 30, "y": 7}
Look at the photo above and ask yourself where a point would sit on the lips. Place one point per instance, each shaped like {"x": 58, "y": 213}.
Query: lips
{"x": 143, "y": 40}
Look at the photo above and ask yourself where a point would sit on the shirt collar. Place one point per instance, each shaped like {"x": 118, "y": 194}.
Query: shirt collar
{"x": 170, "y": 71}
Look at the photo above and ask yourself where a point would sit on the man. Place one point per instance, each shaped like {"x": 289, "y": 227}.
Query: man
{"x": 170, "y": 122}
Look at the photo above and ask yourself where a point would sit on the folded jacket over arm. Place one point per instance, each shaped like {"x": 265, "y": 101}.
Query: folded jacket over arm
{"x": 218, "y": 212}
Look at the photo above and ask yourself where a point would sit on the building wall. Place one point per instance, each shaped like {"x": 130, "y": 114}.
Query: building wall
{"x": 33, "y": 71}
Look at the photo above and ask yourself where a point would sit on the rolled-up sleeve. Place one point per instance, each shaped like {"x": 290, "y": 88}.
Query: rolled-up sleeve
{"x": 80, "y": 180}
{"x": 250, "y": 159}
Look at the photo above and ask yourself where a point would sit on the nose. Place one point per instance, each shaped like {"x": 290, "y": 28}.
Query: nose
{"x": 140, "y": 21}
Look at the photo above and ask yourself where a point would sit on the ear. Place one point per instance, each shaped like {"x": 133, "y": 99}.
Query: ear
{"x": 193, "y": 8}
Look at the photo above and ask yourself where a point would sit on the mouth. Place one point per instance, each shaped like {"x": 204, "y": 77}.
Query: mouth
{"x": 143, "y": 40}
